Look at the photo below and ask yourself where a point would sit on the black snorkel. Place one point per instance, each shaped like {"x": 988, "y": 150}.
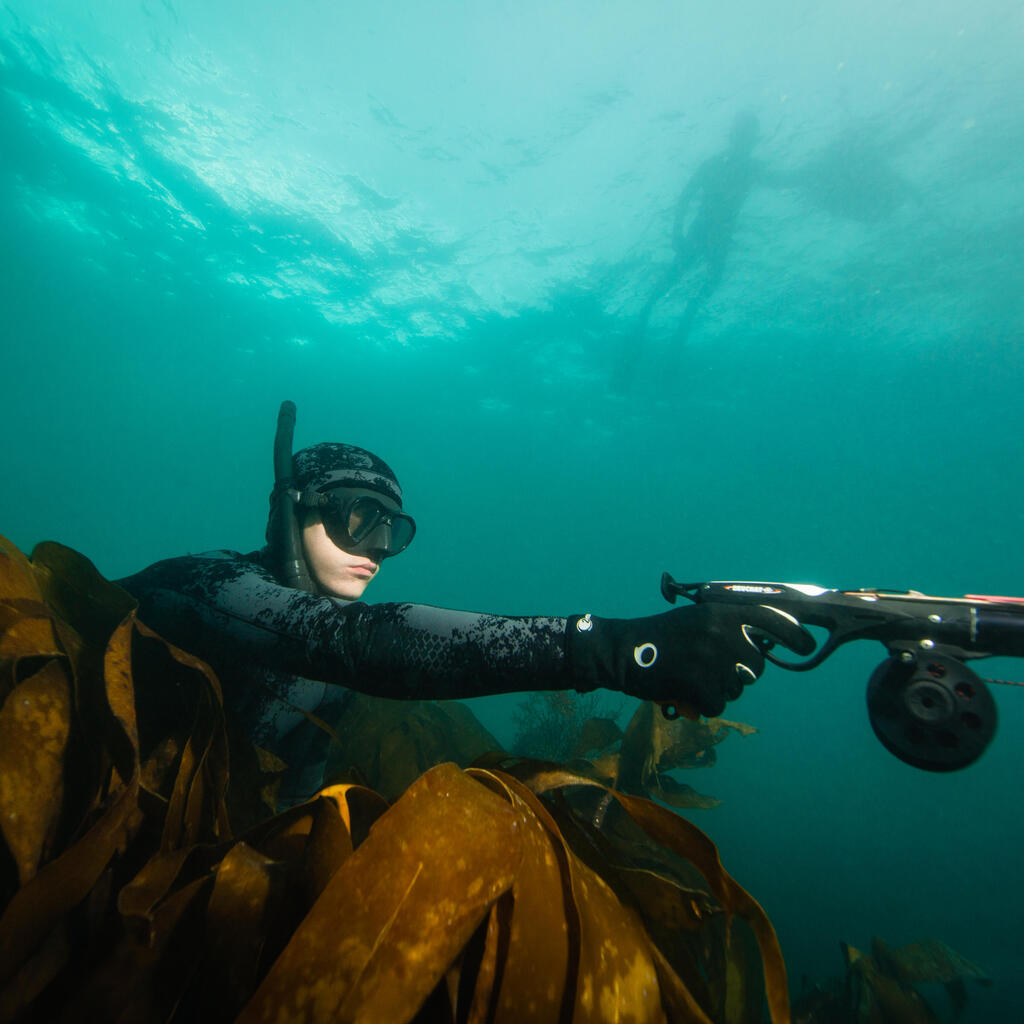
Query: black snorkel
{"x": 283, "y": 536}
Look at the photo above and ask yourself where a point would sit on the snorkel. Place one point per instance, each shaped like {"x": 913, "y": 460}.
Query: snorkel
{"x": 283, "y": 535}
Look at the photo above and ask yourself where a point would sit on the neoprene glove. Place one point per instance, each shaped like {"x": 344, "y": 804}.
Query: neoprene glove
{"x": 701, "y": 655}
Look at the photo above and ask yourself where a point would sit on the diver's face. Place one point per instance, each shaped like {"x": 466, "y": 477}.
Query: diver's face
{"x": 339, "y": 573}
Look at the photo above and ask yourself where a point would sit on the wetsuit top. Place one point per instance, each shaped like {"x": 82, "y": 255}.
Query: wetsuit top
{"x": 279, "y": 652}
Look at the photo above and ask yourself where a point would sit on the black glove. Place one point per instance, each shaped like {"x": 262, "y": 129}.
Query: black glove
{"x": 699, "y": 656}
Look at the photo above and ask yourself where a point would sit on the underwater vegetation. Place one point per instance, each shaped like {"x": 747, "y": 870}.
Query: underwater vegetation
{"x": 388, "y": 744}
{"x": 139, "y": 881}
{"x": 555, "y": 725}
{"x": 561, "y": 726}
{"x": 881, "y": 987}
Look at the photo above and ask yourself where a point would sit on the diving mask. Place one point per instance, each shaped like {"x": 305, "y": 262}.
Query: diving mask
{"x": 360, "y": 521}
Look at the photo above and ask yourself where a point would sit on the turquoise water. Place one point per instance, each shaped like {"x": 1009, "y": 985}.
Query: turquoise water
{"x": 435, "y": 229}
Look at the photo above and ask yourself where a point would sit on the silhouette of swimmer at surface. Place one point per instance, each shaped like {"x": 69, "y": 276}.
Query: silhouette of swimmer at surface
{"x": 716, "y": 193}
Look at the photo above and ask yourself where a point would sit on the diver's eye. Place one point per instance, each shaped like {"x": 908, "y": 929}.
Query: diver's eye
{"x": 356, "y": 518}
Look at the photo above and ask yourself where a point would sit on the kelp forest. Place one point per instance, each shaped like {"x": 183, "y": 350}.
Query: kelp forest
{"x": 149, "y": 876}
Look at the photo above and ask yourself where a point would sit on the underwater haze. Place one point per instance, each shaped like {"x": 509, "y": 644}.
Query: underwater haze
{"x": 452, "y": 233}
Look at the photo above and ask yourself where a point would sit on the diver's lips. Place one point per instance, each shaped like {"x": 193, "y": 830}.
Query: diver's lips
{"x": 364, "y": 570}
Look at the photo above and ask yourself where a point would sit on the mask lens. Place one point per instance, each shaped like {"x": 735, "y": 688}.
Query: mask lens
{"x": 402, "y": 531}
{"x": 363, "y": 516}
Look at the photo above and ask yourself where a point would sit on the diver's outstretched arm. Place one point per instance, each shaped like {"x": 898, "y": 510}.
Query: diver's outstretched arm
{"x": 229, "y": 608}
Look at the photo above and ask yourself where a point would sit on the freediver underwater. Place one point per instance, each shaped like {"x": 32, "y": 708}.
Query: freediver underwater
{"x": 852, "y": 177}
{"x": 289, "y": 637}
{"x": 703, "y": 228}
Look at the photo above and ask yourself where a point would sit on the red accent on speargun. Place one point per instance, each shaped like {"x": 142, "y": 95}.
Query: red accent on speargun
{"x": 994, "y": 599}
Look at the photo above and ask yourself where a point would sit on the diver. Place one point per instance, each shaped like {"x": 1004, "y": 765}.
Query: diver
{"x": 702, "y": 234}
{"x": 288, "y": 636}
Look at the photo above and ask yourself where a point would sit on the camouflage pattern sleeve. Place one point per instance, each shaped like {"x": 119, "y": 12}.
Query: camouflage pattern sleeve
{"x": 228, "y": 608}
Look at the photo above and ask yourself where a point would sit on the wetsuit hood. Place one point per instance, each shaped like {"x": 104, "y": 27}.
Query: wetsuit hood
{"x": 331, "y": 464}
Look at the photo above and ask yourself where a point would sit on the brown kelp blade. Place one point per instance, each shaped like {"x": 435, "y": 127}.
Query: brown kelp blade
{"x": 409, "y": 899}
{"x": 653, "y": 745}
{"x": 84, "y": 625}
{"x": 35, "y": 721}
{"x": 612, "y": 970}
{"x": 541, "y": 924}
{"x": 78, "y": 593}
{"x": 26, "y": 623}
{"x": 689, "y": 842}
{"x": 928, "y": 961}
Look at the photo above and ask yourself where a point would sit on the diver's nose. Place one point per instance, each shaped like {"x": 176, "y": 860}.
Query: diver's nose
{"x": 378, "y": 543}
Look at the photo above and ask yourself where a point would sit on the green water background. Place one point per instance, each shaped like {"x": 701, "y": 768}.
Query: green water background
{"x": 433, "y": 227}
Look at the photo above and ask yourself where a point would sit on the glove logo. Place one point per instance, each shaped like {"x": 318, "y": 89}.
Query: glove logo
{"x": 585, "y": 624}
{"x": 645, "y": 655}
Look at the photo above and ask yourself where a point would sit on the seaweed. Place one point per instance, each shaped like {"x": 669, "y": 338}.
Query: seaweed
{"x": 130, "y": 890}
{"x": 565, "y": 727}
{"x": 881, "y": 986}
{"x": 558, "y": 725}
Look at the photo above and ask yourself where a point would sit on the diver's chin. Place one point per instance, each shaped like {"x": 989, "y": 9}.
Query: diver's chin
{"x": 345, "y": 590}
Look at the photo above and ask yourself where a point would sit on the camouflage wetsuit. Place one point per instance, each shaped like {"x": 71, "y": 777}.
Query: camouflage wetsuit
{"x": 279, "y": 652}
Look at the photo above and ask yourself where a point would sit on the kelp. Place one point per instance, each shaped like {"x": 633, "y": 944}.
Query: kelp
{"x": 636, "y": 761}
{"x": 652, "y": 747}
{"x": 879, "y": 988}
{"x": 389, "y": 743}
{"x": 556, "y": 725}
{"x": 135, "y": 886}
{"x": 710, "y": 936}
